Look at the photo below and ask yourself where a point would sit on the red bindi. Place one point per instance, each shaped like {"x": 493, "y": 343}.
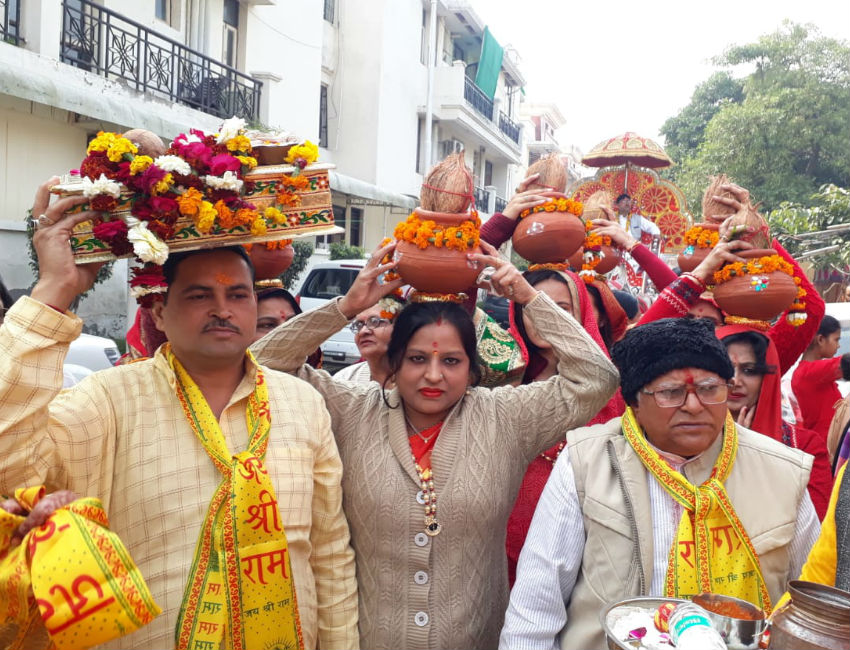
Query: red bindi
{"x": 689, "y": 379}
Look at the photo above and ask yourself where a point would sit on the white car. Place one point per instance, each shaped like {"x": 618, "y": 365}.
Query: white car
{"x": 93, "y": 352}
{"x": 325, "y": 281}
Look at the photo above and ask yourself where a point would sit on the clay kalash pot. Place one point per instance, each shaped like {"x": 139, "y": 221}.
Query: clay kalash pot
{"x": 270, "y": 263}
{"x": 610, "y": 260}
{"x": 437, "y": 269}
{"x": 817, "y": 617}
{"x": 548, "y": 237}
{"x": 758, "y": 296}
{"x": 576, "y": 259}
{"x": 693, "y": 254}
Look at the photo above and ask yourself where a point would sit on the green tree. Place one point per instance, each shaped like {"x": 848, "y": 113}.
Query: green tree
{"x": 342, "y": 251}
{"x": 823, "y": 222}
{"x": 684, "y": 132}
{"x": 303, "y": 251}
{"x": 787, "y": 136}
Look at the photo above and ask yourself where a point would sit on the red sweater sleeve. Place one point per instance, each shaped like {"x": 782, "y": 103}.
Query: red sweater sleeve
{"x": 675, "y": 300}
{"x": 497, "y": 229}
{"x": 660, "y": 274}
{"x": 820, "y": 480}
{"x": 792, "y": 341}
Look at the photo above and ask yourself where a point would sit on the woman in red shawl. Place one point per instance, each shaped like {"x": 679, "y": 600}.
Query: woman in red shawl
{"x": 569, "y": 293}
{"x": 755, "y": 402}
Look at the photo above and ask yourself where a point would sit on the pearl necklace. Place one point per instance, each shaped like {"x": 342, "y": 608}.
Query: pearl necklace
{"x": 429, "y": 496}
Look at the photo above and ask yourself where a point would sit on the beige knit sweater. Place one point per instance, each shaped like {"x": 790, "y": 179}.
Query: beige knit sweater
{"x": 448, "y": 591}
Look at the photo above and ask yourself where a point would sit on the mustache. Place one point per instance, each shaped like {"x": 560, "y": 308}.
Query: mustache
{"x": 218, "y": 323}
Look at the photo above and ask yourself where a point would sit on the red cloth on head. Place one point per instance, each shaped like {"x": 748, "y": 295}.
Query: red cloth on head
{"x": 767, "y": 420}
{"x": 768, "y": 416}
{"x": 143, "y": 337}
{"x": 611, "y": 306}
{"x": 540, "y": 468}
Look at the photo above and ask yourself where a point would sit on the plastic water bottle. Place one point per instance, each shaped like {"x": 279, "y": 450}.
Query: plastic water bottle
{"x": 690, "y": 629}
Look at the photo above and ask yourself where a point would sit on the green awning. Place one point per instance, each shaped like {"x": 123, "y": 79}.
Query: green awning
{"x": 489, "y": 64}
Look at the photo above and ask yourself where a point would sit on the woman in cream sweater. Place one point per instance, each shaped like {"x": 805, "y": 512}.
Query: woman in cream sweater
{"x": 432, "y": 467}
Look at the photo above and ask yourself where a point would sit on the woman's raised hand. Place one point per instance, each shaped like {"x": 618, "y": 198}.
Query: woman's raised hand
{"x": 524, "y": 199}
{"x": 368, "y": 288}
{"x": 501, "y": 277}
{"x": 724, "y": 252}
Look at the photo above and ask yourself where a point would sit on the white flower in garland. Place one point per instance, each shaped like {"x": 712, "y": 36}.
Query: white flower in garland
{"x": 230, "y": 129}
{"x": 146, "y": 245}
{"x": 173, "y": 164}
{"x": 138, "y": 292}
{"x": 186, "y": 138}
{"x": 228, "y": 181}
{"x": 102, "y": 185}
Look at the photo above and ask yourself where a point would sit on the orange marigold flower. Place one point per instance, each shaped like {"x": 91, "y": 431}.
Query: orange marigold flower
{"x": 190, "y": 202}
{"x": 244, "y": 216}
{"x": 225, "y": 215}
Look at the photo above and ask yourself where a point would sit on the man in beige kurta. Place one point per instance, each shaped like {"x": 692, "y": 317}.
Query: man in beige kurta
{"x": 121, "y": 435}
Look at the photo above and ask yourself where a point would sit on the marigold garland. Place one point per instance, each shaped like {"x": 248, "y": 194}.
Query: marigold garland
{"x": 556, "y": 205}
{"x": 549, "y": 266}
{"x": 592, "y": 257}
{"x": 796, "y": 315}
{"x": 701, "y": 237}
{"x": 424, "y": 233}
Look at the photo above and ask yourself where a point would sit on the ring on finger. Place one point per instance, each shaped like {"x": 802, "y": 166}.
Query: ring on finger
{"x": 43, "y": 221}
{"x": 485, "y": 275}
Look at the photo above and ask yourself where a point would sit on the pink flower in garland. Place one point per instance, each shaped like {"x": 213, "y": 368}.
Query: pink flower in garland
{"x": 225, "y": 163}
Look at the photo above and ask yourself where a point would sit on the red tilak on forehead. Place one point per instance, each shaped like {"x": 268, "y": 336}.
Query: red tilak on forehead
{"x": 689, "y": 378}
{"x": 439, "y": 320}
{"x": 223, "y": 278}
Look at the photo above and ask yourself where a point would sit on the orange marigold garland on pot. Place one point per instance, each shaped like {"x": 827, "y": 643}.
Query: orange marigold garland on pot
{"x": 434, "y": 241}
{"x": 767, "y": 275}
{"x": 593, "y": 243}
{"x": 561, "y": 204}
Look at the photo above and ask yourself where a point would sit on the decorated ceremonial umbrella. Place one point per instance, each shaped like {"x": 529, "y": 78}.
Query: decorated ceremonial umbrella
{"x": 657, "y": 198}
{"x": 627, "y": 149}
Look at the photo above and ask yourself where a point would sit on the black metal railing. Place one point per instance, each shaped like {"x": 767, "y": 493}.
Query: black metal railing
{"x": 477, "y": 99}
{"x": 508, "y": 127}
{"x": 481, "y": 199}
{"x": 105, "y": 42}
{"x": 500, "y": 204}
{"x": 10, "y": 27}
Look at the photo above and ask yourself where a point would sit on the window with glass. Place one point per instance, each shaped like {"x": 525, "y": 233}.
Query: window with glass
{"x": 330, "y": 11}
{"x": 231, "y": 33}
{"x": 323, "y": 116}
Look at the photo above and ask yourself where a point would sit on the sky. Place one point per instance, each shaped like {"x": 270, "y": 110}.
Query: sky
{"x": 620, "y": 66}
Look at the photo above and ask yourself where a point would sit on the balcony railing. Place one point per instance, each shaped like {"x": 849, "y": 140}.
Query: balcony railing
{"x": 500, "y": 204}
{"x": 477, "y": 99}
{"x": 100, "y": 40}
{"x": 10, "y": 27}
{"x": 508, "y": 127}
{"x": 481, "y": 198}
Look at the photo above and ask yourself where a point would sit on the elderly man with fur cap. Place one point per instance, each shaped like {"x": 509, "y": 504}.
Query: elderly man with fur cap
{"x": 670, "y": 500}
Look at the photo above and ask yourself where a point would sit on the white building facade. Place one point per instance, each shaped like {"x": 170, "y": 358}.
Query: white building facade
{"x": 351, "y": 75}
{"x": 374, "y": 101}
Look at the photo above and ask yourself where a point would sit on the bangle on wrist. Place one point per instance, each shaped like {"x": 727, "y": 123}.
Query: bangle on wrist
{"x": 695, "y": 279}
{"x": 629, "y": 248}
